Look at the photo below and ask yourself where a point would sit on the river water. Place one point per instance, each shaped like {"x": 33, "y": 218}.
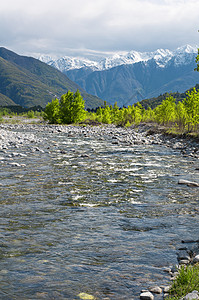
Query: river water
{"x": 85, "y": 215}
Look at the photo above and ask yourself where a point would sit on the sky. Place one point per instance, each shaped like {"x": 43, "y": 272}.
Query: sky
{"x": 97, "y": 27}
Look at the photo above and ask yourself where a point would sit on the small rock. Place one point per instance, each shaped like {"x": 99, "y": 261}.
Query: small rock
{"x": 155, "y": 290}
{"x": 14, "y": 164}
{"x": 196, "y": 259}
{"x": 184, "y": 262}
{"x": 146, "y": 296}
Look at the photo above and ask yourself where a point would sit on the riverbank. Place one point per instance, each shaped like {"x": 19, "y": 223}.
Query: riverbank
{"x": 149, "y": 133}
{"x": 138, "y": 134}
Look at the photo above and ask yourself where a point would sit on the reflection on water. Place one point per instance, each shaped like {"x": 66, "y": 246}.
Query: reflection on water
{"x": 87, "y": 216}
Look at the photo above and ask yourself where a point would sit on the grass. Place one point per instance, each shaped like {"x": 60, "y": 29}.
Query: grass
{"x": 186, "y": 282}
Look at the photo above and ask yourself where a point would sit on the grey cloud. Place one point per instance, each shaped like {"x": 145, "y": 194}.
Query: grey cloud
{"x": 56, "y": 26}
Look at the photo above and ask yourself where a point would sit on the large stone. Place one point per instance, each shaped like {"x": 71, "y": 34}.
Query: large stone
{"x": 146, "y": 296}
{"x": 188, "y": 183}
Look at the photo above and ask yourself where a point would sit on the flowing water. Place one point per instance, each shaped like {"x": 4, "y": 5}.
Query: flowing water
{"x": 85, "y": 215}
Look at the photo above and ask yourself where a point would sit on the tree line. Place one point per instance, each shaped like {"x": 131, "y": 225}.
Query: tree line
{"x": 71, "y": 109}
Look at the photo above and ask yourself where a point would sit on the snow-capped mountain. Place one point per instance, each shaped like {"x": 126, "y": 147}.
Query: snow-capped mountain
{"x": 126, "y": 78}
{"x": 160, "y": 56}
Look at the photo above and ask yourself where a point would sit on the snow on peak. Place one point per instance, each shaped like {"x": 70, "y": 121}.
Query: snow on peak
{"x": 181, "y": 55}
{"x": 67, "y": 63}
{"x": 186, "y": 49}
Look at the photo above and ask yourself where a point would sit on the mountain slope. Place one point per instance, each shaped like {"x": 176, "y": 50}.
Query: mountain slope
{"x": 128, "y": 84}
{"x": 5, "y": 101}
{"x": 28, "y": 81}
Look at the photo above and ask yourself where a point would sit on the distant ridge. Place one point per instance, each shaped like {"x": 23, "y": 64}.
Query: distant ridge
{"x": 155, "y": 101}
{"x": 26, "y": 81}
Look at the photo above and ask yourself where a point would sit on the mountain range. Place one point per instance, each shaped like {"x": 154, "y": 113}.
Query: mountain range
{"x": 126, "y": 78}
{"x": 28, "y": 82}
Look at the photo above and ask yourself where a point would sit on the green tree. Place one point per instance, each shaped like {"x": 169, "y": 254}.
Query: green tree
{"x": 52, "y": 112}
{"x": 181, "y": 115}
{"x": 192, "y": 107}
{"x": 78, "y": 112}
{"x": 165, "y": 112}
{"x": 106, "y": 116}
{"x": 66, "y": 107}
{"x": 115, "y": 113}
{"x": 72, "y": 108}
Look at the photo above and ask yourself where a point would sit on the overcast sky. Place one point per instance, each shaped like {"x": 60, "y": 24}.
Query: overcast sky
{"x": 75, "y": 27}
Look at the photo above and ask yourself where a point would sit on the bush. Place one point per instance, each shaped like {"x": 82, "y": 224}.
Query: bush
{"x": 186, "y": 282}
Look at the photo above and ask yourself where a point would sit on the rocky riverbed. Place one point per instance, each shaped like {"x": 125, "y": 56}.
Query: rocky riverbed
{"x": 18, "y": 135}
{"x": 20, "y": 142}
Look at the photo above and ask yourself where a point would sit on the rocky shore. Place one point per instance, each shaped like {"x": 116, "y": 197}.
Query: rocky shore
{"x": 13, "y": 137}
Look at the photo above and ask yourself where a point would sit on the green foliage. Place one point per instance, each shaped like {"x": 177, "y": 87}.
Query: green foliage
{"x": 191, "y": 104}
{"x": 186, "y": 282}
{"x": 78, "y": 108}
{"x": 183, "y": 116}
{"x": 165, "y": 112}
{"x": 52, "y": 112}
{"x": 70, "y": 109}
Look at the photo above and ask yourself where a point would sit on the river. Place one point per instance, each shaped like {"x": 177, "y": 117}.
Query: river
{"x": 81, "y": 213}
